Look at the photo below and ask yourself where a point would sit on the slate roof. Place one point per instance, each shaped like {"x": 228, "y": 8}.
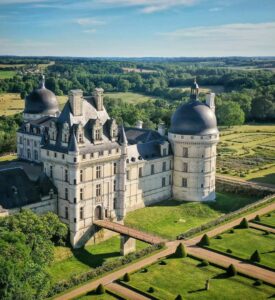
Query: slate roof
{"x": 17, "y": 190}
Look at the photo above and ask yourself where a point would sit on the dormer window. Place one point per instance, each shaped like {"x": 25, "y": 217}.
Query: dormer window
{"x": 113, "y": 129}
{"x": 80, "y": 134}
{"x": 97, "y": 134}
{"x": 65, "y": 133}
{"x": 52, "y": 131}
{"x": 97, "y": 131}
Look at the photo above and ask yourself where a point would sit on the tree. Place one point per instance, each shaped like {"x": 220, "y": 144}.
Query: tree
{"x": 23, "y": 94}
{"x": 179, "y": 297}
{"x": 229, "y": 113}
{"x": 231, "y": 270}
{"x": 180, "y": 251}
{"x": 257, "y": 218}
{"x": 255, "y": 257}
{"x": 126, "y": 277}
{"x": 244, "y": 223}
{"x": 100, "y": 290}
{"x": 123, "y": 85}
{"x": 204, "y": 241}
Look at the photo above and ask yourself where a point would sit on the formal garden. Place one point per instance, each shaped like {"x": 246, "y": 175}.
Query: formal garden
{"x": 171, "y": 218}
{"x": 266, "y": 220}
{"x": 189, "y": 278}
{"x": 247, "y": 152}
{"x": 249, "y": 244}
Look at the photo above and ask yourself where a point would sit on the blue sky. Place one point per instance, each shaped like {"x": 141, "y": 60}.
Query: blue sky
{"x": 136, "y": 28}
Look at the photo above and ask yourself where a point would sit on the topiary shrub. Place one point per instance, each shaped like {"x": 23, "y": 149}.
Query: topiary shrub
{"x": 257, "y": 219}
{"x": 229, "y": 251}
{"x": 179, "y": 297}
{"x": 258, "y": 282}
{"x": 163, "y": 263}
{"x": 126, "y": 277}
{"x": 145, "y": 270}
{"x": 244, "y": 223}
{"x": 255, "y": 257}
{"x": 151, "y": 289}
{"x": 231, "y": 270}
{"x": 231, "y": 231}
{"x": 100, "y": 290}
{"x": 180, "y": 251}
{"x": 204, "y": 241}
{"x": 218, "y": 237}
{"x": 204, "y": 263}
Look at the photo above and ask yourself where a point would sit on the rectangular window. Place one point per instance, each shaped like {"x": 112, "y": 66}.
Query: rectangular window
{"x": 81, "y": 213}
{"x": 35, "y": 144}
{"x": 48, "y": 153}
{"x": 185, "y": 167}
{"x": 81, "y": 194}
{"x": 140, "y": 172}
{"x": 100, "y": 153}
{"x": 110, "y": 152}
{"x": 114, "y": 185}
{"x": 115, "y": 166}
{"x": 81, "y": 175}
{"x": 91, "y": 155}
{"x": 55, "y": 154}
{"x": 84, "y": 156}
{"x": 66, "y": 213}
{"x": 170, "y": 179}
{"x": 98, "y": 189}
{"x": 115, "y": 203}
{"x": 163, "y": 181}
{"x": 66, "y": 194}
{"x": 98, "y": 171}
{"x": 164, "y": 166}
{"x": 152, "y": 169}
{"x": 128, "y": 175}
{"x": 164, "y": 152}
{"x": 184, "y": 182}
{"x": 97, "y": 134}
{"x": 66, "y": 176}
{"x": 185, "y": 152}
{"x": 63, "y": 156}
{"x": 170, "y": 165}
{"x": 51, "y": 171}
{"x": 202, "y": 185}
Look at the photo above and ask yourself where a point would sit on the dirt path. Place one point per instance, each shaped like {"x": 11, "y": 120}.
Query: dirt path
{"x": 211, "y": 256}
{"x": 262, "y": 227}
{"x": 127, "y": 293}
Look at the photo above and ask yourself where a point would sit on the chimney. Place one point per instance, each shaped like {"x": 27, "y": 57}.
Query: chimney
{"x": 76, "y": 102}
{"x": 98, "y": 96}
{"x": 139, "y": 124}
{"x": 161, "y": 129}
{"x": 210, "y": 100}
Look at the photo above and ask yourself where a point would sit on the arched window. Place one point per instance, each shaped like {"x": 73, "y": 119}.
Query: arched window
{"x": 35, "y": 155}
{"x": 29, "y": 154}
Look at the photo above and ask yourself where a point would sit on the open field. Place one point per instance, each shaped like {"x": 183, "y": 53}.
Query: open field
{"x": 185, "y": 277}
{"x": 6, "y": 74}
{"x": 129, "y": 97}
{"x": 248, "y": 151}
{"x": 203, "y": 89}
{"x": 11, "y": 103}
{"x": 170, "y": 218}
{"x": 243, "y": 242}
{"x": 69, "y": 262}
{"x": 268, "y": 219}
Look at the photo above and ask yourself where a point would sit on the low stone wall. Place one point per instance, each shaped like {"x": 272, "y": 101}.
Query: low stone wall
{"x": 242, "y": 188}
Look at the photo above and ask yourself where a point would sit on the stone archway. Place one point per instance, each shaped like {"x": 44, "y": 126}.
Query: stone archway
{"x": 98, "y": 213}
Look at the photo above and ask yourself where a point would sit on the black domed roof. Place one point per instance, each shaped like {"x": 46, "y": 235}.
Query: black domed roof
{"x": 41, "y": 101}
{"x": 194, "y": 118}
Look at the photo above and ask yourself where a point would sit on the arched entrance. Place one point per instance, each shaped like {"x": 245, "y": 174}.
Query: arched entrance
{"x": 98, "y": 213}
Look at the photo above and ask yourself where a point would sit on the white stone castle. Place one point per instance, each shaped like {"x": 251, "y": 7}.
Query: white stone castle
{"x": 103, "y": 171}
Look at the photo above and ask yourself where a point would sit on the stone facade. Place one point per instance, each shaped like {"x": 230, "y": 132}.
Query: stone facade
{"x": 102, "y": 170}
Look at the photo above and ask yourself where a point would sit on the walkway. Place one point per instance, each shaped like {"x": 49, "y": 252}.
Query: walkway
{"x": 127, "y": 293}
{"x": 134, "y": 233}
{"x": 222, "y": 260}
{"x": 262, "y": 227}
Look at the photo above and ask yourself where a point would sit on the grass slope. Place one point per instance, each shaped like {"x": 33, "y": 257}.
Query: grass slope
{"x": 170, "y": 218}
{"x": 243, "y": 242}
{"x": 133, "y": 98}
{"x": 183, "y": 276}
{"x": 69, "y": 262}
{"x": 268, "y": 219}
{"x": 6, "y": 74}
{"x": 93, "y": 296}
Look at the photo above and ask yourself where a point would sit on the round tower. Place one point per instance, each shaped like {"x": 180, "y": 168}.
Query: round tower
{"x": 194, "y": 136}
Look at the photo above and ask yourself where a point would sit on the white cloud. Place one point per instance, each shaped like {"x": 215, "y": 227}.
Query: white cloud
{"x": 89, "y": 21}
{"x": 92, "y": 30}
{"x": 229, "y": 39}
{"x": 150, "y": 6}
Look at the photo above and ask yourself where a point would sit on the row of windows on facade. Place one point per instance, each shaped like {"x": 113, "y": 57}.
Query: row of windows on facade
{"x": 99, "y": 189}
{"x": 85, "y": 156}
{"x": 202, "y": 137}
{"x": 184, "y": 183}
{"x": 81, "y": 212}
{"x": 29, "y": 154}
{"x": 29, "y": 142}
{"x": 185, "y": 153}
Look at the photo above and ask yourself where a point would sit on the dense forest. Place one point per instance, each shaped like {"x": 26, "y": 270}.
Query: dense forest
{"x": 247, "y": 95}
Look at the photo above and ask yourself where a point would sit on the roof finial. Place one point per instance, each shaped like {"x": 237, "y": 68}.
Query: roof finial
{"x": 43, "y": 81}
{"x": 194, "y": 90}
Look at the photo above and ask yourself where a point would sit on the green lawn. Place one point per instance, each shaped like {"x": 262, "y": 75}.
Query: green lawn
{"x": 70, "y": 262}
{"x": 9, "y": 157}
{"x": 133, "y": 98}
{"x": 243, "y": 242}
{"x": 185, "y": 277}
{"x": 6, "y": 74}
{"x": 171, "y": 218}
{"x": 268, "y": 219}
